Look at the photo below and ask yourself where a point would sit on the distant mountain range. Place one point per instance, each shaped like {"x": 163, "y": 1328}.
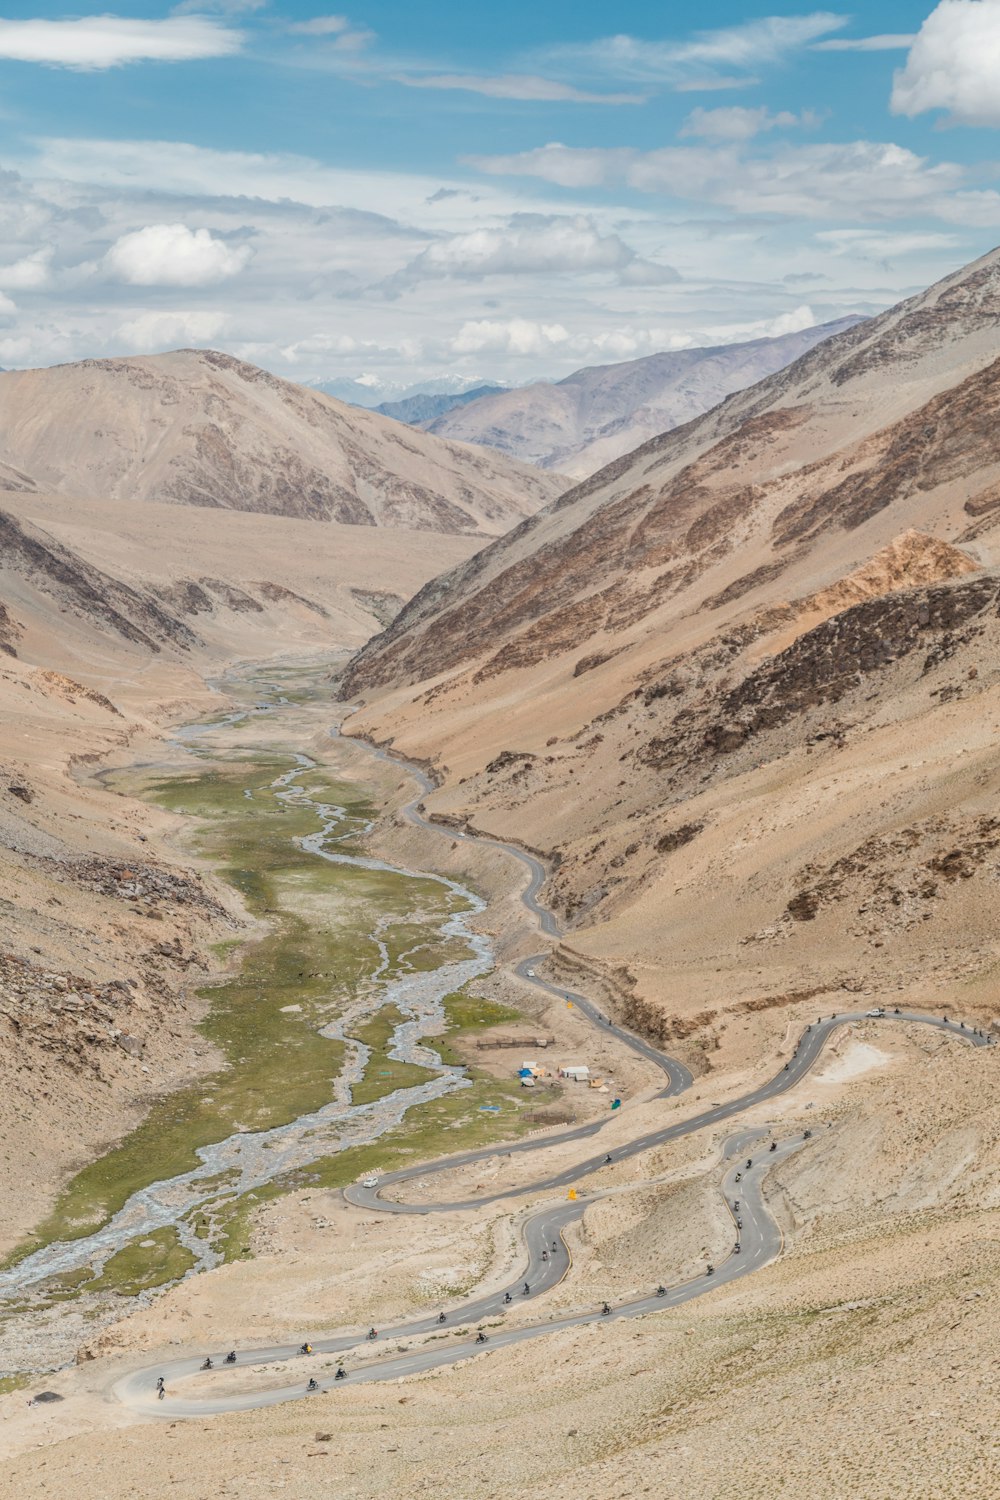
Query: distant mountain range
{"x": 372, "y": 392}
{"x": 423, "y": 409}
{"x": 579, "y": 424}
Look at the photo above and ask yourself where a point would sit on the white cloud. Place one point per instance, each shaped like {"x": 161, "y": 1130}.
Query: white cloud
{"x": 14, "y": 351}
{"x": 338, "y": 31}
{"x": 867, "y": 180}
{"x": 531, "y": 245}
{"x": 310, "y": 303}
{"x": 887, "y": 42}
{"x": 219, "y": 7}
{"x": 7, "y": 307}
{"x": 97, "y": 42}
{"x": 152, "y": 331}
{"x": 28, "y": 273}
{"x": 740, "y": 124}
{"x": 954, "y": 64}
{"x": 510, "y": 336}
{"x": 344, "y": 343}
{"x": 881, "y": 246}
{"x": 322, "y": 26}
{"x": 279, "y": 179}
{"x": 526, "y": 86}
{"x": 174, "y": 255}
{"x": 790, "y": 322}
{"x": 708, "y": 58}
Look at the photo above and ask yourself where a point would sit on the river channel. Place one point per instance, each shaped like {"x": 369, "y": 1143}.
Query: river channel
{"x": 41, "y": 1292}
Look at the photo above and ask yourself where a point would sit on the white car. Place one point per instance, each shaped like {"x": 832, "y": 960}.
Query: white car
{"x": 875, "y": 1012}
{"x": 530, "y": 973}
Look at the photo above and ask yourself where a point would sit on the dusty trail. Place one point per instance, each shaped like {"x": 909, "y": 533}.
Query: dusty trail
{"x": 547, "y": 1259}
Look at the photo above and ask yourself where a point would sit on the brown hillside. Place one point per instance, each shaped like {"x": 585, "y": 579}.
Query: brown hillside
{"x": 745, "y": 683}
{"x": 196, "y": 427}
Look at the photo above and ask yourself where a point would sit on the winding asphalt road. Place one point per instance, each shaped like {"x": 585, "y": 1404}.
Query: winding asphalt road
{"x": 446, "y": 1339}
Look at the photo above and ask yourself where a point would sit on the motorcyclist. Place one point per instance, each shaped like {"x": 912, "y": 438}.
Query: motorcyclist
{"x": 313, "y": 1385}
{"x": 481, "y": 1338}
{"x": 555, "y": 1247}
{"x": 736, "y": 1205}
{"x": 607, "y": 1159}
{"x": 159, "y": 1382}
{"x": 739, "y": 1223}
{"x": 606, "y": 1308}
{"x": 373, "y": 1333}
{"x": 231, "y": 1357}
{"x": 661, "y": 1291}
{"x": 545, "y": 1255}
{"x": 736, "y": 1248}
{"x": 709, "y": 1270}
{"x": 442, "y": 1318}
{"x": 739, "y": 1177}
{"x": 749, "y": 1162}
{"x": 774, "y": 1145}
{"x": 207, "y": 1365}
{"x": 341, "y": 1373}
{"x": 527, "y": 1289}
{"x": 507, "y": 1297}
{"x": 306, "y": 1349}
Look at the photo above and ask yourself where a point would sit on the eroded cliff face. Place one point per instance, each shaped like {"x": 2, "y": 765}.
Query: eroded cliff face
{"x": 746, "y": 684}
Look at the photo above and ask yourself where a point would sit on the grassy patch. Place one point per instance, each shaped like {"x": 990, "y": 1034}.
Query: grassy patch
{"x": 231, "y": 1222}
{"x": 384, "y": 1074}
{"x": 436, "y": 1128}
{"x": 157, "y": 1260}
{"x": 319, "y": 953}
{"x": 465, "y": 1014}
{"x": 18, "y": 1382}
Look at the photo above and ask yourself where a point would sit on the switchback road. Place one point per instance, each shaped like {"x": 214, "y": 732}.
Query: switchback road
{"x": 432, "y": 1342}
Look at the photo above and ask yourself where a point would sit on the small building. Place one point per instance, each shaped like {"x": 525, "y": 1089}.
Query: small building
{"x": 579, "y": 1072}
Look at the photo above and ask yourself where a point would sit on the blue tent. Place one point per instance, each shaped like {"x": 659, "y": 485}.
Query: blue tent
{"x": 524, "y": 1073}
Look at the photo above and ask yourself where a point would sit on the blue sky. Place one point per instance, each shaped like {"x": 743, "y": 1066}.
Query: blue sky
{"x": 403, "y": 191}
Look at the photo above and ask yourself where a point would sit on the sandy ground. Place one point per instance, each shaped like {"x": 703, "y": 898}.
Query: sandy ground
{"x": 878, "y": 1318}
{"x": 889, "y": 1270}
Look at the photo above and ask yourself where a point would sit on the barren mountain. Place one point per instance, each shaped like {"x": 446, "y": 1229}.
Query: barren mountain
{"x": 200, "y": 428}
{"x": 743, "y": 684}
{"x": 423, "y": 410}
{"x": 112, "y": 617}
{"x": 116, "y": 610}
{"x": 595, "y": 415}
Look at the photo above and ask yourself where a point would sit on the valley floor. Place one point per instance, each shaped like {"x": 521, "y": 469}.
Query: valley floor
{"x": 860, "y": 1364}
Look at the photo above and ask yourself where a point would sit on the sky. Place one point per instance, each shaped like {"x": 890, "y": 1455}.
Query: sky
{"x": 407, "y": 191}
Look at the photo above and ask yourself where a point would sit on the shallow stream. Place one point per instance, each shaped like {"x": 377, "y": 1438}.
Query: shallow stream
{"x": 247, "y": 1159}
